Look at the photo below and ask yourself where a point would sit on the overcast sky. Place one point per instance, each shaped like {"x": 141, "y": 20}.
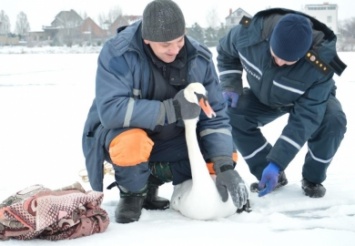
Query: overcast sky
{"x": 42, "y": 12}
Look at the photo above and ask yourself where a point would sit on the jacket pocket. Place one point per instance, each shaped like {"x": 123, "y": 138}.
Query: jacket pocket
{"x": 285, "y": 91}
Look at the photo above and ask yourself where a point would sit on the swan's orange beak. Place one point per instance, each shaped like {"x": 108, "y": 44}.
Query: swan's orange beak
{"x": 205, "y": 106}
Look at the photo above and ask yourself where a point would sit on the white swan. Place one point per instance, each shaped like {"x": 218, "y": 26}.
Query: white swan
{"x": 198, "y": 198}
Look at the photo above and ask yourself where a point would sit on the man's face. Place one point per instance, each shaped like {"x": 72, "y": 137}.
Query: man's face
{"x": 167, "y": 51}
{"x": 279, "y": 62}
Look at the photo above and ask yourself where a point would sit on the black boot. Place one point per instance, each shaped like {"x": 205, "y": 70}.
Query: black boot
{"x": 160, "y": 174}
{"x": 254, "y": 187}
{"x": 153, "y": 201}
{"x": 130, "y": 205}
{"x": 313, "y": 190}
{"x": 129, "y": 208}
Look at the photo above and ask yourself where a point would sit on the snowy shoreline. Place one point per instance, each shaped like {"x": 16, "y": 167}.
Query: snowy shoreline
{"x": 49, "y": 50}
{"x": 60, "y": 50}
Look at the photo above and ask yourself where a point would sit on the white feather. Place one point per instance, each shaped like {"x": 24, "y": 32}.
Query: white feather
{"x": 198, "y": 198}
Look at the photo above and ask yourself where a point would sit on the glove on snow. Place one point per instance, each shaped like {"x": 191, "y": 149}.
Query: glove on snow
{"x": 228, "y": 180}
{"x": 269, "y": 179}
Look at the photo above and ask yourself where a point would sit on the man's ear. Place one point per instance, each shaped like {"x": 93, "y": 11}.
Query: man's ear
{"x": 146, "y": 41}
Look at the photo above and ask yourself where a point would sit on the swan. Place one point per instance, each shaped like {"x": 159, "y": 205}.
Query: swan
{"x": 198, "y": 198}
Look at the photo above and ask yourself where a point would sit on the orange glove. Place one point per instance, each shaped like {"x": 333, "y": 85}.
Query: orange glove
{"x": 130, "y": 148}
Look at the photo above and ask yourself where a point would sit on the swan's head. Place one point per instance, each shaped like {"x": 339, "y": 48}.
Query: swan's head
{"x": 196, "y": 93}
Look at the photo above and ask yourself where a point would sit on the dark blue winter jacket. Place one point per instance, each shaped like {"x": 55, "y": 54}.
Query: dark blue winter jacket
{"x": 122, "y": 92}
{"x": 303, "y": 88}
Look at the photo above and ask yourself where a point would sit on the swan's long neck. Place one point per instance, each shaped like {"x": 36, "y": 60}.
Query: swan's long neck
{"x": 199, "y": 170}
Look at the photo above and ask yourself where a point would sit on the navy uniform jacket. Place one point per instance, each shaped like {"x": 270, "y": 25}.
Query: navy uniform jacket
{"x": 304, "y": 86}
{"x": 123, "y": 101}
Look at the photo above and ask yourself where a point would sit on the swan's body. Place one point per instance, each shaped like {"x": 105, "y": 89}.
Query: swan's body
{"x": 198, "y": 198}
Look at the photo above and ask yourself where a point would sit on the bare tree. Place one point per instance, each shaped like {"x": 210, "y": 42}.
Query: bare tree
{"x": 4, "y": 23}
{"x": 347, "y": 35}
{"x": 212, "y": 18}
{"x": 84, "y": 15}
{"x": 22, "y": 25}
{"x": 105, "y": 20}
{"x": 196, "y": 32}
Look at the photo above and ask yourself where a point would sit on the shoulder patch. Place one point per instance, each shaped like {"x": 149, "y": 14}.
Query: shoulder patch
{"x": 245, "y": 21}
{"x": 204, "y": 52}
{"x": 320, "y": 65}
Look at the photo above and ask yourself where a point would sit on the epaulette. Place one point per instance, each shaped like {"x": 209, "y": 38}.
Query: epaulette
{"x": 245, "y": 21}
{"x": 317, "y": 63}
{"x": 335, "y": 64}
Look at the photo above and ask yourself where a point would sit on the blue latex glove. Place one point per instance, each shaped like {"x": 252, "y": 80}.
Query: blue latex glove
{"x": 269, "y": 179}
{"x": 231, "y": 98}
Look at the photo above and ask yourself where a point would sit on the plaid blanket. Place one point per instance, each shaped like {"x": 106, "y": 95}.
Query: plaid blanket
{"x": 41, "y": 213}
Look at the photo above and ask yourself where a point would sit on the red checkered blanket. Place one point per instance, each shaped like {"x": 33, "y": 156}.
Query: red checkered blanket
{"x": 38, "y": 212}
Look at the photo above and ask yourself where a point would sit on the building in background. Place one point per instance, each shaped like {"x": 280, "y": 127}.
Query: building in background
{"x": 235, "y": 16}
{"x": 122, "y": 20}
{"x": 69, "y": 28}
{"x": 326, "y": 13}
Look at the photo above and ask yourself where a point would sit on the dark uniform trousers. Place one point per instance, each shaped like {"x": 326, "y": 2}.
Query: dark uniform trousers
{"x": 250, "y": 114}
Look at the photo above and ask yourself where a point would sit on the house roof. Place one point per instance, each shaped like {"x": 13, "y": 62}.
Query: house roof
{"x": 64, "y": 17}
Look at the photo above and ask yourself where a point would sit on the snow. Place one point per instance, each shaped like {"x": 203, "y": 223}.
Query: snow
{"x": 45, "y": 94}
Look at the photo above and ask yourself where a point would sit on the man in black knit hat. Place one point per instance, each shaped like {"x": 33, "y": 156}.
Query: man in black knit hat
{"x": 134, "y": 123}
{"x": 289, "y": 59}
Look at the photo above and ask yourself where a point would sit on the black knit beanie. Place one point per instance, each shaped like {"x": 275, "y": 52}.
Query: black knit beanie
{"x": 163, "y": 21}
{"x": 291, "y": 37}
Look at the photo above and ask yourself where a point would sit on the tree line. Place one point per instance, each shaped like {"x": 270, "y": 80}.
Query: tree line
{"x": 22, "y": 26}
{"x": 208, "y": 36}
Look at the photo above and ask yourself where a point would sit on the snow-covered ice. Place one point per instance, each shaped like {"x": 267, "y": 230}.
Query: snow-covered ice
{"x": 44, "y": 98}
